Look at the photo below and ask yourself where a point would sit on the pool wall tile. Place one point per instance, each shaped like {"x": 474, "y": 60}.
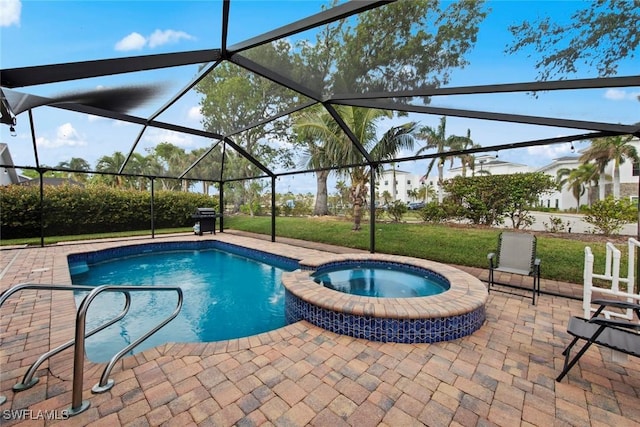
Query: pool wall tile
{"x": 80, "y": 261}
{"x": 381, "y": 329}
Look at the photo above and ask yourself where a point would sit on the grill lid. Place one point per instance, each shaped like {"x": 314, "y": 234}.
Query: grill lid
{"x": 205, "y": 211}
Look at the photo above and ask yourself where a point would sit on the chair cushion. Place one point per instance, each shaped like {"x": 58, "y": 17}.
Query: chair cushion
{"x": 618, "y": 339}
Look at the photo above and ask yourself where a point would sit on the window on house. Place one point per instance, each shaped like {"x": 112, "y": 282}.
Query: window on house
{"x": 386, "y": 183}
{"x": 557, "y": 203}
{"x": 636, "y": 169}
{"x": 408, "y": 182}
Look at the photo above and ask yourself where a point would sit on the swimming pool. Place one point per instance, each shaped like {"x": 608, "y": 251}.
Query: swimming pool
{"x": 229, "y": 292}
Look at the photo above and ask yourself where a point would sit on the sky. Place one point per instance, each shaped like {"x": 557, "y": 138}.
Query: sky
{"x": 47, "y": 32}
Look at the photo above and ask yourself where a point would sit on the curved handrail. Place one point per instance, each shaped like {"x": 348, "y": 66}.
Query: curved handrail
{"x": 7, "y": 293}
{"x": 77, "y": 404}
{"x": 29, "y": 381}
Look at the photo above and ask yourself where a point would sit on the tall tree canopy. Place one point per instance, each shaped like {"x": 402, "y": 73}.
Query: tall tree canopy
{"x": 598, "y": 35}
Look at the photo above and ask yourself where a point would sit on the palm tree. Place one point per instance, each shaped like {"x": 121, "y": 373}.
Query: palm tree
{"x": 328, "y": 145}
{"x": 610, "y": 149}
{"x": 313, "y": 128}
{"x": 111, "y": 164}
{"x": 436, "y": 138}
{"x": 76, "y": 164}
{"x": 574, "y": 179}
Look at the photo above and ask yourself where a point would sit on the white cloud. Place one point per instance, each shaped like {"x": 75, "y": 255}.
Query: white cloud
{"x": 195, "y": 114}
{"x": 66, "y": 136}
{"x": 156, "y": 136}
{"x": 134, "y": 41}
{"x": 159, "y": 38}
{"x": 10, "y": 12}
{"x": 543, "y": 154}
{"x": 621, "y": 95}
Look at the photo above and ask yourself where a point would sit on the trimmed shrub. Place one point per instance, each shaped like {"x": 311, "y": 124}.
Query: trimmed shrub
{"x": 70, "y": 210}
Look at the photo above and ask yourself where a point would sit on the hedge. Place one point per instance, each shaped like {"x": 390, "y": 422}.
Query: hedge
{"x": 70, "y": 210}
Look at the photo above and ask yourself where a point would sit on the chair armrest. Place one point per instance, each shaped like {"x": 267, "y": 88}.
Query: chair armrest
{"x": 490, "y": 257}
{"x": 616, "y": 304}
{"x": 623, "y": 324}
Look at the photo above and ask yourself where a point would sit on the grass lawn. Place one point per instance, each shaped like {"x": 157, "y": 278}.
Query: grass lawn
{"x": 562, "y": 258}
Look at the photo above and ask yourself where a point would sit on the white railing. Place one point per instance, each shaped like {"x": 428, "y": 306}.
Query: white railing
{"x": 611, "y": 275}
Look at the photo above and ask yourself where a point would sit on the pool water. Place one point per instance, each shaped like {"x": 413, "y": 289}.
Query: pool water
{"x": 225, "y": 296}
{"x": 379, "y": 282}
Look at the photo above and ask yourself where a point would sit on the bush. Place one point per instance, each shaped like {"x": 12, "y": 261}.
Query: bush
{"x": 608, "y": 216}
{"x": 433, "y": 212}
{"x": 396, "y": 210}
{"x": 70, "y": 210}
{"x": 555, "y": 225}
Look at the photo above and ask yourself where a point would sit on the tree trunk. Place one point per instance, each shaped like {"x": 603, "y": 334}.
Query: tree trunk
{"x": 440, "y": 181}
{"x": 358, "y": 200}
{"x": 321, "y": 207}
{"x": 616, "y": 181}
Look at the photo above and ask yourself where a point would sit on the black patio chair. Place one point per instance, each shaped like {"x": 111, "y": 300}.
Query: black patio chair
{"x": 516, "y": 254}
{"x": 620, "y": 335}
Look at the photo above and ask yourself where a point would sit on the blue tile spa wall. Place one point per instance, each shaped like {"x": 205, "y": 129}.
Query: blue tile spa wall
{"x": 385, "y": 329}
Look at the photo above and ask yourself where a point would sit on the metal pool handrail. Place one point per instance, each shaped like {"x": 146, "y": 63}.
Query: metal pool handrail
{"x": 77, "y": 404}
{"x": 29, "y": 381}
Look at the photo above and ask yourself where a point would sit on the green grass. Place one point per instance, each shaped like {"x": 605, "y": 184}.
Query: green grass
{"x": 35, "y": 241}
{"x": 562, "y": 259}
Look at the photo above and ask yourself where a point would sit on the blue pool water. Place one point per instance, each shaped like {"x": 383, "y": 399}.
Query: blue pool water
{"x": 382, "y": 282}
{"x": 225, "y": 296}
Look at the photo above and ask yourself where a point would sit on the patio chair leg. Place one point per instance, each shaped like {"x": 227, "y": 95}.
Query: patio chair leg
{"x": 569, "y": 364}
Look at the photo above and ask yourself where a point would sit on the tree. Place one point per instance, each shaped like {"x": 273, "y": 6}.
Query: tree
{"x": 598, "y": 35}
{"x": 76, "y": 164}
{"x": 573, "y": 179}
{"x": 396, "y": 47}
{"x": 436, "y": 138}
{"x": 489, "y": 199}
{"x": 111, "y": 164}
{"x": 611, "y": 149}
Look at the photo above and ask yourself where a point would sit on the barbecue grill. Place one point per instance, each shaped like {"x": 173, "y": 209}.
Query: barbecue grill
{"x": 206, "y": 220}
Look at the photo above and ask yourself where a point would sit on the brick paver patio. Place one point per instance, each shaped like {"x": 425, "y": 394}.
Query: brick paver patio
{"x": 503, "y": 374}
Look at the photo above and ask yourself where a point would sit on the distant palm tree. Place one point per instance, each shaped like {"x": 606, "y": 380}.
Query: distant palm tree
{"x": 610, "y": 149}
{"x": 331, "y": 146}
{"x": 574, "y": 179}
{"x": 76, "y": 164}
{"x": 436, "y": 138}
{"x": 111, "y": 164}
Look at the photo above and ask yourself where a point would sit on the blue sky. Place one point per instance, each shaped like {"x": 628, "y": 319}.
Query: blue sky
{"x": 46, "y": 32}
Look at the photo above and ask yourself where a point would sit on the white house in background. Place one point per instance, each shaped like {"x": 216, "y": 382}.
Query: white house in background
{"x": 405, "y": 182}
{"x": 7, "y": 175}
{"x": 490, "y": 165}
{"x": 563, "y": 199}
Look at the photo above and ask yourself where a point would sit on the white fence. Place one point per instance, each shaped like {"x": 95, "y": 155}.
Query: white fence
{"x": 611, "y": 279}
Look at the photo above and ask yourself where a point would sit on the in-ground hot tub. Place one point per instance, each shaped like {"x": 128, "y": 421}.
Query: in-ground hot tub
{"x": 449, "y": 315}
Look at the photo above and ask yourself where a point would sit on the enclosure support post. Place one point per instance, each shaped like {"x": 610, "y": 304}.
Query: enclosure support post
{"x": 153, "y": 225}
{"x": 273, "y": 208}
{"x": 41, "y": 173}
{"x": 221, "y": 207}
{"x": 372, "y": 210}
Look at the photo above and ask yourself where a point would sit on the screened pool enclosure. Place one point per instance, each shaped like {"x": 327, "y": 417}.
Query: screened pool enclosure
{"x": 268, "y": 91}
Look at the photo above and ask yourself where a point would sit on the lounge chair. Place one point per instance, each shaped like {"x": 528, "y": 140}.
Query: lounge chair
{"x": 619, "y": 335}
{"x": 516, "y": 254}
